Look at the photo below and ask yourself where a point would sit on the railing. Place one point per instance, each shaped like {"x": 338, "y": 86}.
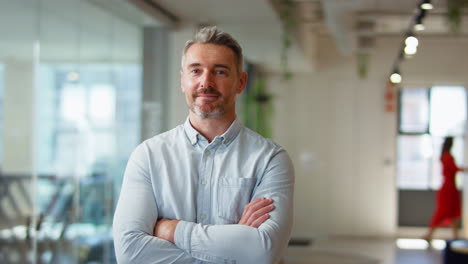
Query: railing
{"x": 61, "y": 216}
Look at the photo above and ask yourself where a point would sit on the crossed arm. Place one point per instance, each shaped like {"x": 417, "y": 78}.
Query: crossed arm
{"x": 260, "y": 236}
{"x": 254, "y": 214}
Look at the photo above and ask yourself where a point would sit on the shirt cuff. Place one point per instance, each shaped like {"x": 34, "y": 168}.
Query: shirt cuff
{"x": 183, "y": 234}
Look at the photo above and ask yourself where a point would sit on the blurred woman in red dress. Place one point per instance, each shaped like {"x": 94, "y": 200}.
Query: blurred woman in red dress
{"x": 448, "y": 206}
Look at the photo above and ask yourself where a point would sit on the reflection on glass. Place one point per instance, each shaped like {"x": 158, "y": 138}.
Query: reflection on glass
{"x": 17, "y": 34}
{"x": 80, "y": 102}
{"x": 85, "y": 121}
{"x": 73, "y": 103}
{"x": 102, "y": 105}
{"x": 414, "y": 114}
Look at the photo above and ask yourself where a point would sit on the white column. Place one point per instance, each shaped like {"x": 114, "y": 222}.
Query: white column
{"x": 18, "y": 117}
{"x": 155, "y": 91}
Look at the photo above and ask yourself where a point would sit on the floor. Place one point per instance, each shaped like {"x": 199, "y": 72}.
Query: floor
{"x": 345, "y": 250}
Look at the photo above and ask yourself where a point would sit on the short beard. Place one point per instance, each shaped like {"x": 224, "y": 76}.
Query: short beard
{"x": 203, "y": 115}
{"x": 217, "y": 112}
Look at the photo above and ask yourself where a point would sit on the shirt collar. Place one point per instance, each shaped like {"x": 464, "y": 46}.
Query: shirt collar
{"x": 232, "y": 132}
{"x": 191, "y": 132}
{"x": 227, "y": 137}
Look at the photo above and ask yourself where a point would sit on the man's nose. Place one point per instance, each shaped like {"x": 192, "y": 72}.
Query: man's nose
{"x": 206, "y": 80}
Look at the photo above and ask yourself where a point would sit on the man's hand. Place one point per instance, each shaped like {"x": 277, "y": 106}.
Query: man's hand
{"x": 256, "y": 212}
{"x": 165, "y": 229}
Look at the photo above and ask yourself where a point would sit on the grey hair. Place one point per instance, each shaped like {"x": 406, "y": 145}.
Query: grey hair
{"x": 212, "y": 35}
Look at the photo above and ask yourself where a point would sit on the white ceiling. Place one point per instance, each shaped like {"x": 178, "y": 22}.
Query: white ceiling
{"x": 70, "y": 30}
{"x": 253, "y": 22}
{"x": 257, "y": 25}
{"x": 62, "y": 24}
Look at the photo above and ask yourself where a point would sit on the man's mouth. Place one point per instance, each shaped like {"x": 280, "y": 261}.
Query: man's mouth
{"x": 207, "y": 95}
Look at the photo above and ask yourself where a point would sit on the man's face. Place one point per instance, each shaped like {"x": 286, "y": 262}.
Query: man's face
{"x": 210, "y": 80}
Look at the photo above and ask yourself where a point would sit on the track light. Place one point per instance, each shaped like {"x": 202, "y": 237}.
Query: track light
{"x": 410, "y": 50}
{"x": 418, "y": 22}
{"x": 395, "y": 77}
{"x": 419, "y": 26}
{"x": 426, "y": 5}
{"x": 410, "y": 45}
{"x": 411, "y": 41}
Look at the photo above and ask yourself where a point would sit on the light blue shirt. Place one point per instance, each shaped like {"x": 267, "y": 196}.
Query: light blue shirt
{"x": 180, "y": 175}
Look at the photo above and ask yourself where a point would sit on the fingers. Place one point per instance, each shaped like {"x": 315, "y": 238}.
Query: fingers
{"x": 259, "y": 203}
{"x": 256, "y": 212}
{"x": 251, "y": 207}
{"x": 260, "y": 216}
{"x": 260, "y": 220}
{"x": 263, "y": 210}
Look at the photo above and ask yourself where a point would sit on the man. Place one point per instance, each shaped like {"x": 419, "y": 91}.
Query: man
{"x": 210, "y": 190}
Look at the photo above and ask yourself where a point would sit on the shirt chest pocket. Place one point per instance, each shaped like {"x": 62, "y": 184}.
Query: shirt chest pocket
{"x": 233, "y": 195}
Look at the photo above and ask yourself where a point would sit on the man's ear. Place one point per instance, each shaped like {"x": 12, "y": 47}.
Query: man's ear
{"x": 181, "y": 86}
{"x": 242, "y": 82}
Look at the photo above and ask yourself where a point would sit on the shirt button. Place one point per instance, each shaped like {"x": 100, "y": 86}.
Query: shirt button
{"x": 203, "y": 182}
{"x": 203, "y": 217}
{"x": 207, "y": 152}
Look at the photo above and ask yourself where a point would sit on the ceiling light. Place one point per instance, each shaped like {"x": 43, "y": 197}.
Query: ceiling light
{"x": 418, "y": 22}
{"x": 395, "y": 77}
{"x": 73, "y": 76}
{"x": 426, "y": 5}
{"x": 419, "y": 27}
{"x": 411, "y": 50}
{"x": 411, "y": 41}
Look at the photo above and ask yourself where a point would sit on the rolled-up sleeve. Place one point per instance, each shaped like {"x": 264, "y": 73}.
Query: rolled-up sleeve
{"x": 135, "y": 216}
{"x": 244, "y": 244}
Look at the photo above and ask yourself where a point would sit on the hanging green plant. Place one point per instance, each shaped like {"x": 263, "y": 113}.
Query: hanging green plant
{"x": 454, "y": 14}
{"x": 287, "y": 16}
{"x": 263, "y": 109}
{"x": 362, "y": 61}
{"x": 258, "y": 108}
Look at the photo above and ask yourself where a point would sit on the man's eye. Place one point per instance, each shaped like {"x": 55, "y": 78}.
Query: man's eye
{"x": 220, "y": 72}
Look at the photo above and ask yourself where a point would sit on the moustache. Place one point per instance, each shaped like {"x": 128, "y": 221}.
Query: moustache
{"x": 209, "y": 91}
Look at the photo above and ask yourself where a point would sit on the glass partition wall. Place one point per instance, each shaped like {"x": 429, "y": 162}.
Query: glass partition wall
{"x": 70, "y": 97}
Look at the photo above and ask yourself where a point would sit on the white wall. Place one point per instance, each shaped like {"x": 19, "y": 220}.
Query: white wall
{"x": 343, "y": 142}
